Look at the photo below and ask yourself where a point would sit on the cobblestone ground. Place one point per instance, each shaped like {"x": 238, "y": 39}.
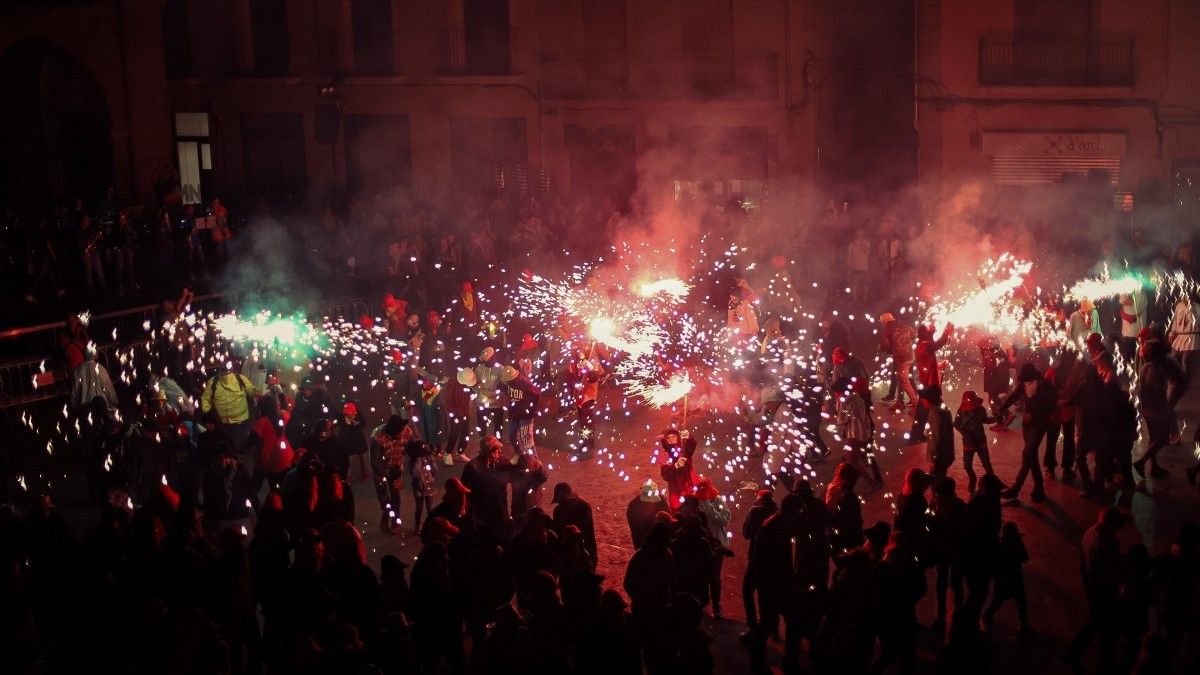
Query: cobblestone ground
{"x": 1052, "y": 530}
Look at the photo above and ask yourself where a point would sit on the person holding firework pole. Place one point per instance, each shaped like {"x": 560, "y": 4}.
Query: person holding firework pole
{"x": 675, "y": 464}
{"x": 583, "y": 376}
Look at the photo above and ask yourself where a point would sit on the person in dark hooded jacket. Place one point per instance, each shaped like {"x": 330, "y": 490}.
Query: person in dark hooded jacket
{"x": 969, "y": 421}
{"x": 643, "y": 511}
{"x": 571, "y": 509}
{"x": 764, "y": 507}
{"x": 1040, "y": 400}
{"x": 312, "y": 403}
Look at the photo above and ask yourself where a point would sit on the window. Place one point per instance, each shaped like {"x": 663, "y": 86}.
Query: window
{"x": 194, "y": 156}
{"x": 485, "y": 37}
{"x": 484, "y": 148}
{"x": 708, "y": 43}
{"x": 719, "y": 164}
{"x": 378, "y": 154}
{"x": 273, "y": 155}
{"x": 269, "y": 32}
{"x": 371, "y": 21}
{"x": 177, "y": 41}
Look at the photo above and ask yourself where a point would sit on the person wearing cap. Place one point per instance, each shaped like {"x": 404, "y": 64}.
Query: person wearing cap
{"x": 897, "y": 342}
{"x": 969, "y": 420}
{"x": 388, "y": 443}
{"x": 351, "y": 431}
{"x": 312, "y": 402}
{"x": 643, "y": 510}
{"x": 229, "y": 393}
{"x": 571, "y": 509}
{"x": 939, "y": 446}
{"x": 394, "y": 312}
{"x": 1083, "y": 322}
{"x": 455, "y": 509}
{"x": 1039, "y": 404}
{"x": 483, "y": 476}
{"x": 157, "y": 442}
{"x": 763, "y": 508}
{"x": 324, "y": 445}
{"x": 929, "y": 372}
{"x": 1096, "y": 405}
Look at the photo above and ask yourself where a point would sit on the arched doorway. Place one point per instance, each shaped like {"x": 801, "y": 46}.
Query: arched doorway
{"x": 55, "y": 128}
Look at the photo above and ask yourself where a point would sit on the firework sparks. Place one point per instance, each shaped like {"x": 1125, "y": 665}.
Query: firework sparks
{"x": 1105, "y": 286}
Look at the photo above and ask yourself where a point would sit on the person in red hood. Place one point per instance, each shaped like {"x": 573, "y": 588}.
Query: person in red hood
{"x": 929, "y": 372}
{"x": 675, "y": 464}
{"x": 395, "y": 311}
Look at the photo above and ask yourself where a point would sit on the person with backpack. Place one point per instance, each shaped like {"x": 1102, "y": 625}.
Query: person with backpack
{"x": 230, "y": 394}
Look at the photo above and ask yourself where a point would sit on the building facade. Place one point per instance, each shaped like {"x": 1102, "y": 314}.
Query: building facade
{"x": 455, "y": 99}
{"x": 83, "y": 100}
{"x": 1044, "y": 92}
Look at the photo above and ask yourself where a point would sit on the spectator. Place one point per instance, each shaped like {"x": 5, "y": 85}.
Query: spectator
{"x": 643, "y": 511}
{"x": 571, "y": 509}
{"x": 1010, "y": 580}
{"x": 1101, "y": 569}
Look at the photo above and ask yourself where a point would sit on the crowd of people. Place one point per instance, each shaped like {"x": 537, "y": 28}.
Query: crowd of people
{"x": 229, "y": 541}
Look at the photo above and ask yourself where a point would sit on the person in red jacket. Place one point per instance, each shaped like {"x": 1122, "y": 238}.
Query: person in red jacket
{"x": 929, "y": 372}
{"x": 675, "y": 464}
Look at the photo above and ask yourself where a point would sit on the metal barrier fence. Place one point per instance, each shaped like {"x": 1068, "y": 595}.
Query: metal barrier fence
{"x": 42, "y": 375}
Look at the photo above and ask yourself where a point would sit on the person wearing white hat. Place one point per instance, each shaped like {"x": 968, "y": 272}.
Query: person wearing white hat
{"x": 1083, "y": 322}
{"x": 644, "y": 510}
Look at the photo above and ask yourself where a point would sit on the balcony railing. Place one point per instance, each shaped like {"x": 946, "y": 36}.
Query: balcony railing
{"x": 751, "y": 75}
{"x": 464, "y": 55}
{"x": 1105, "y": 60}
